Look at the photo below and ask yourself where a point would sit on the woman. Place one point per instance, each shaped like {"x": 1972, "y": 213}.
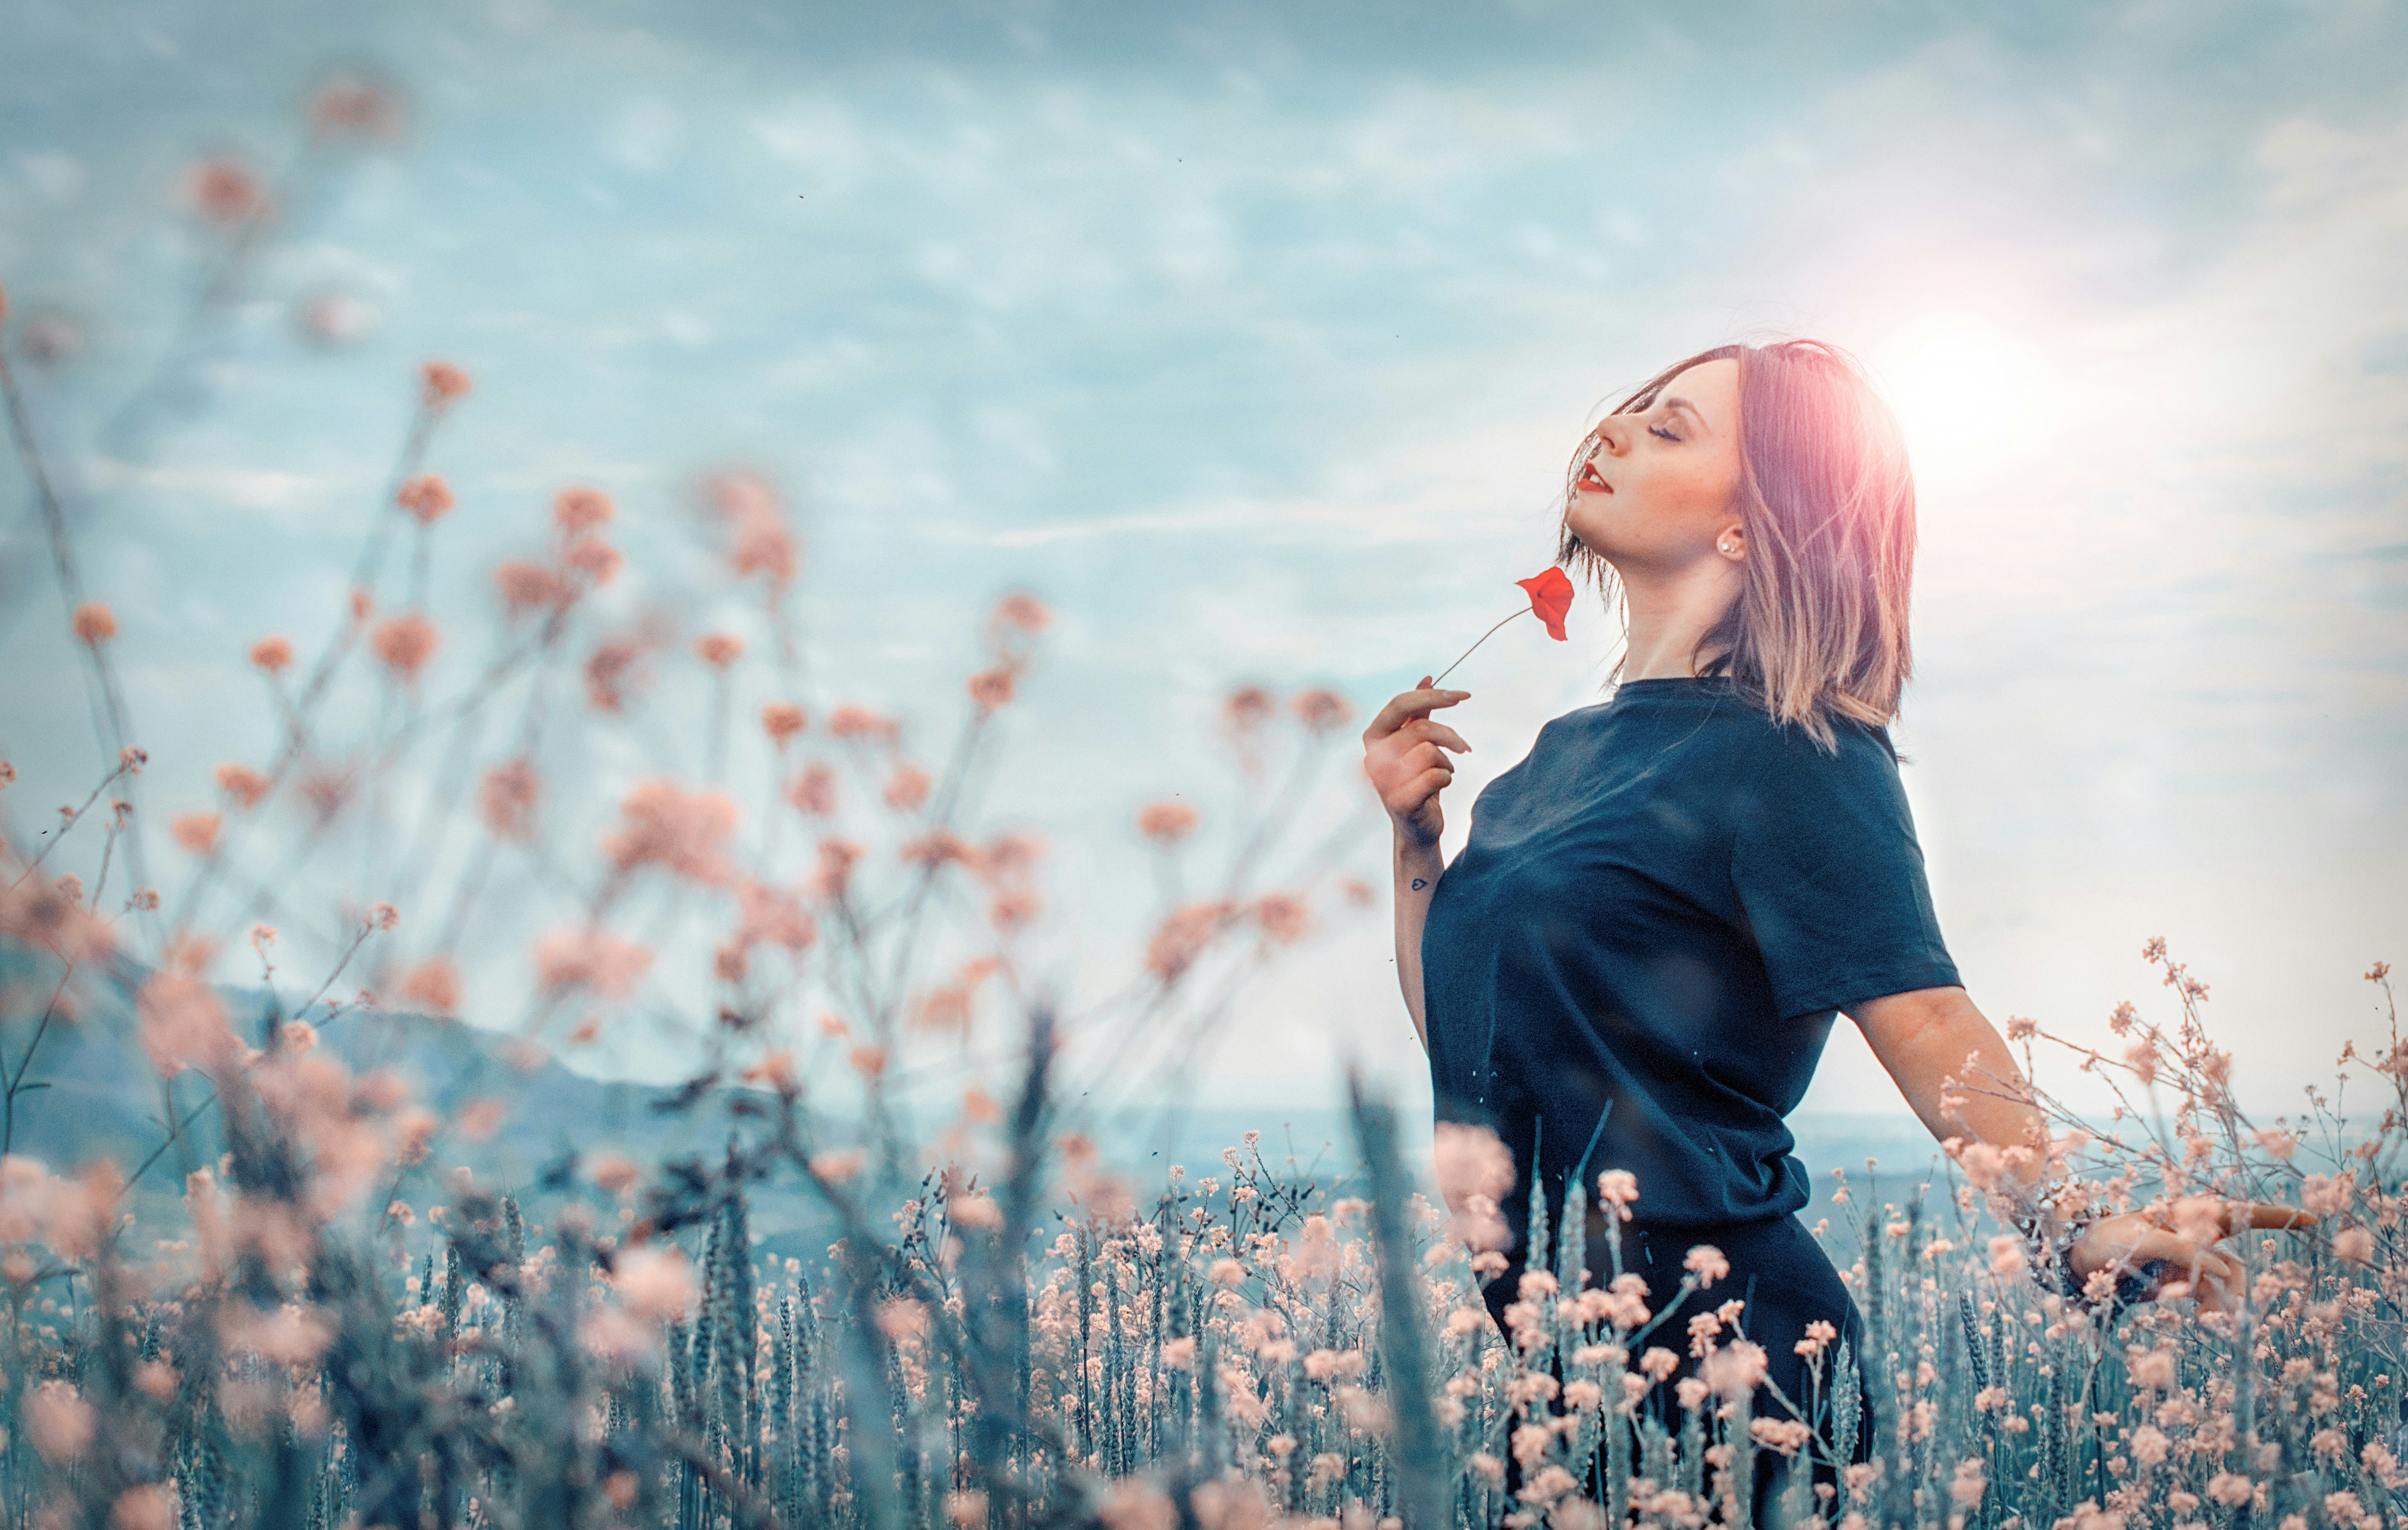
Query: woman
{"x": 1636, "y": 959}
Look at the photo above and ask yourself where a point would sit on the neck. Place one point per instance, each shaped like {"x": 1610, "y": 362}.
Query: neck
{"x": 1670, "y": 612}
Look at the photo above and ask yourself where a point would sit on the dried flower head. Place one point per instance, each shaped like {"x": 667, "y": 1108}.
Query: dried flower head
{"x": 434, "y": 984}
{"x": 198, "y": 832}
{"x": 440, "y": 385}
{"x": 781, "y": 720}
{"x": 508, "y": 799}
{"x": 242, "y": 784}
{"x": 356, "y": 107}
{"x": 404, "y": 643}
{"x": 223, "y": 189}
{"x": 1166, "y": 823}
{"x": 427, "y": 497}
{"x": 93, "y": 624}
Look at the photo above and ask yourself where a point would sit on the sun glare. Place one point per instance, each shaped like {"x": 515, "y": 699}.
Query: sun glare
{"x": 1961, "y": 386}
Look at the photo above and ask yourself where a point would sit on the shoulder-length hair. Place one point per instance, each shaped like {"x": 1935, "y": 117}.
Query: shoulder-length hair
{"x": 1826, "y": 499}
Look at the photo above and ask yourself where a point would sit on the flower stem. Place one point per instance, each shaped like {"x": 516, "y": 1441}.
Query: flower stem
{"x": 1483, "y": 637}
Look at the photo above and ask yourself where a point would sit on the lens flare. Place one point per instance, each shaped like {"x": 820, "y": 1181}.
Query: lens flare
{"x": 1963, "y": 388}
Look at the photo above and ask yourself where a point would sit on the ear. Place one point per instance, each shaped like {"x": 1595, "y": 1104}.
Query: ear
{"x": 1731, "y": 542}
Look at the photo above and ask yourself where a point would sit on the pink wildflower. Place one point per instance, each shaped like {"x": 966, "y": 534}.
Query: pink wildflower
{"x": 2007, "y": 1257}
{"x": 653, "y": 1281}
{"x": 759, "y": 539}
{"x": 835, "y": 873}
{"x": 272, "y": 653}
{"x": 478, "y": 1119}
{"x": 223, "y": 191}
{"x": 508, "y": 797}
{"x": 611, "y": 1335}
{"x": 290, "y": 1335}
{"x": 593, "y": 557}
{"x": 1786, "y": 1436}
{"x": 59, "y": 1421}
{"x": 1321, "y": 711}
{"x": 1966, "y": 1487}
{"x": 2150, "y": 1445}
{"x": 1735, "y": 1371}
{"x": 1013, "y": 909}
{"x": 579, "y": 508}
{"x": 1166, "y": 823}
{"x": 773, "y": 916}
{"x": 814, "y": 792}
{"x": 1283, "y": 916}
{"x": 1474, "y": 1169}
{"x": 242, "y": 783}
{"x": 404, "y": 643}
{"x": 1181, "y": 937}
{"x": 991, "y": 689}
{"x": 685, "y": 832}
{"x": 146, "y": 1505}
{"x": 589, "y": 959}
{"x": 1023, "y": 611}
{"x": 527, "y": 586}
{"x": 439, "y": 385}
{"x": 781, "y": 720}
{"x": 840, "y": 1165}
{"x": 907, "y": 789}
{"x": 348, "y": 107}
{"x": 427, "y": 497}
{"x": 1247, "y": 708}
{"x": 198, "y": 832}
{"x": 2230, "y": 1489}
{"x": 860, "y": 722}
{"x": 1707, "y": 1263}
{"x": 1135, "y": 1504}
{"x": 93, "y": 624}
{"x": 1618, "y": 1188}
{"x": 719, "y": 649}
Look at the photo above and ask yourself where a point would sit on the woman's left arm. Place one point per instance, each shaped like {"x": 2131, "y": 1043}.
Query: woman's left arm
{"x": 1957, "y": 1074}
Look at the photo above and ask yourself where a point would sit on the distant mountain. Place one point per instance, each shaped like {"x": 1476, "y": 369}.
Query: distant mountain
{"x": 99, "y": 1095}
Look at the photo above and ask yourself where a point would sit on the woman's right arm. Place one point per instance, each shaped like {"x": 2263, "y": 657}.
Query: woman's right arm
{"x": 1404, "y": 752}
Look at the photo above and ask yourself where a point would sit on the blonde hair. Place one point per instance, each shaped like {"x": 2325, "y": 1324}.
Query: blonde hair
{"x": 1827, "y": 500}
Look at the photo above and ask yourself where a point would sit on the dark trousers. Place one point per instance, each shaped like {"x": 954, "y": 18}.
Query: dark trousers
{"x": 1786, "y": 1282}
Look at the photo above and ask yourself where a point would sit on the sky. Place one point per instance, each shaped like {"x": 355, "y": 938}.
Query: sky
{"x": 1253, "y": 338}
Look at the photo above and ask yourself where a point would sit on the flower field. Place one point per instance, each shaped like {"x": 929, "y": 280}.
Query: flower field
{"x": 312, "y": 1301}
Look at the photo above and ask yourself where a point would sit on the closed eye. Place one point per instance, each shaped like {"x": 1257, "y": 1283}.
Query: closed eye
{"x": 1660, "y": 431}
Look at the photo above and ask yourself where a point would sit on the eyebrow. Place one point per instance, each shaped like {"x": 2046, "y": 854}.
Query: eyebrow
{"x": 1685, "y": 404}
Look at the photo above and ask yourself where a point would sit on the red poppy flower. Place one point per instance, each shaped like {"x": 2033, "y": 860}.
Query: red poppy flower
{"x": 1551, "y": 599}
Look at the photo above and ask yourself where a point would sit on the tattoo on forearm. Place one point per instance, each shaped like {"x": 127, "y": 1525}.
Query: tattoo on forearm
{"x": 1419, "y": 884}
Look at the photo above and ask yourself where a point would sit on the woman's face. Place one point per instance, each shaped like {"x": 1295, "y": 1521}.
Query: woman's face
{"x": 1660, "y": 492}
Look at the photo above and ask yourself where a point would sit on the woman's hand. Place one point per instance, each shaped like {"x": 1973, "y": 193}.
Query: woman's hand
{"x": 2179, "y": 1239}
{"x": 1404, "y": 753}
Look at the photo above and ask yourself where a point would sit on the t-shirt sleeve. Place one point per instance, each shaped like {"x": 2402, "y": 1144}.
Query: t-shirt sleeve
{"x": 1830, "y": 878}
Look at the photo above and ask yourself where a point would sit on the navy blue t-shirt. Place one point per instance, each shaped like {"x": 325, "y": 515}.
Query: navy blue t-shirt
{"x": 1636, "y": 958}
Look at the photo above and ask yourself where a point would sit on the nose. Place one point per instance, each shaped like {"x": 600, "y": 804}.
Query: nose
{"x": 1614, "y": 436}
